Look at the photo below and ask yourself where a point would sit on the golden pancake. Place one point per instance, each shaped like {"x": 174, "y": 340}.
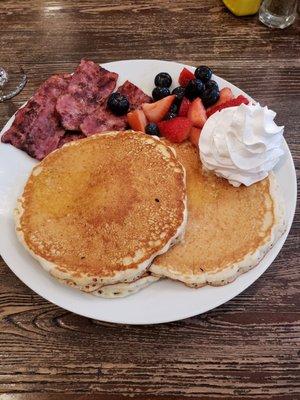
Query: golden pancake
{"x": 97, "y": 211}
{"x": 229, "y": 229}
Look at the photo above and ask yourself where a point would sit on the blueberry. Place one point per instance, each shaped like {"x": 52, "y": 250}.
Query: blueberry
{"x": 203, "y": 73}
{"x": 179, "y": 92}
{"x": 152, "y": 129}
{"x": 160, "y": 92}
{"x": 210, "y": 97}
{"x": 211, "y": 85}
{"x": 194, "y": 89}
{"x": 118, "y": 103}
{"x": 163, "y": 79}
{"x": 174, "y": 108}
{"x": 170, "y": 115}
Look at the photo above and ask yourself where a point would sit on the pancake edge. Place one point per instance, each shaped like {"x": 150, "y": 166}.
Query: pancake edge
{"x": 85, "y": 282}
{"x": 124, "y": 289}
{"x": 249, "y": 261}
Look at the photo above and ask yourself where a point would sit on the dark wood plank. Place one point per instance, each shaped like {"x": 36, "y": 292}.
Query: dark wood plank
{"x": 245, "y": 349}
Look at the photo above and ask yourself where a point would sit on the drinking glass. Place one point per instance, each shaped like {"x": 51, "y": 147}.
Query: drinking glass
{"x": 11, "y": 84}
{"x": 278, "y": 13}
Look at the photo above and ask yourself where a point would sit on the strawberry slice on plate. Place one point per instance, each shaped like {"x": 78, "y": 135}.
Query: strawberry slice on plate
{"x": 137, "y": 120}
{"x": 231, "y": 103}
{"x": 155, "y": 112}
{"x": 197, "y": 113}
{"x": 176, "y": 130}
{"x": 185, "y": 76}
{"x": 195, "y": 135}
{"x": 184, "y": 107}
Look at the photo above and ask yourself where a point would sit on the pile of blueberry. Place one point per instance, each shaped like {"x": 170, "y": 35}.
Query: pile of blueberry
{"x": 202, "y": 86}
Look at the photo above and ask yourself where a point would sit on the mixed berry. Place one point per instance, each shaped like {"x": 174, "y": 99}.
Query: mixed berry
{"x": 118, "y": 103}
{"x": 180, "y": 114}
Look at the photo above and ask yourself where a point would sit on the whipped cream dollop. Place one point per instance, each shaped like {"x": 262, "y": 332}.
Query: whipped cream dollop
{"x": 241, "y": 144}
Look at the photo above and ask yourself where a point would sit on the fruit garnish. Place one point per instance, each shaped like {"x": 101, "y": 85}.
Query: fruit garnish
{"x": 173, "y": 111}
{"x": 174, "y": 108}
{"x": 211, "y": 85}
{"x": 163, "y": 79}
{"x": 137, "y": 120}
{"x": 195, "y": 135}
{"x": 225, "y": 95}
{"x": 152, "y": 129}
{"x": 184, "y": 107}
{"x": 155, "y": 112}
{"x": 176, "y": 130}
{"x": 210, "y": 97}
{"x": 118, "y": 103}
{"x": 194, "y": 88}
{"x": 185, "y": 76}
{"x": 160, "y": 92}
{"x": 179, "y": 92}
{"x": 204, "y": 73}
{"x": 231, "y": 103}
{"x": 197, "y": 113}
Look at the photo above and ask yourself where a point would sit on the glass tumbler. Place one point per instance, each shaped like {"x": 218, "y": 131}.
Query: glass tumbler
{"x": 278, "y": 13}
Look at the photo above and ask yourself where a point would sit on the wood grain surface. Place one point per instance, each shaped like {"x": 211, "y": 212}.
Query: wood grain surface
{"x": 245, "y": 349}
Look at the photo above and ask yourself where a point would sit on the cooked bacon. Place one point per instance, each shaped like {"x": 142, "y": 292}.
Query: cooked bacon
{"x": 90, "y": 86}
{"x": 74, "y": 102}
{"x": 135, "y": 95}
{"x": 70, "y": 136}
{"x": 103, "y": 120}
{"x": 36, "y": 128}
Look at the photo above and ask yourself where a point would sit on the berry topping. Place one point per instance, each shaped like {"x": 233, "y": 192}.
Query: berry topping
{"x": 197, "y": 113}
{"x": 195, "y": 135}
{"x": 176, "y": 130}
{"x": 163, "y": 79}
{"x": 194, "y": 89}
{"x": 160, "y": 92}
{"x": 185, "y": 76}
{"x": 225, "y": 95}
{"x": 211, "y": 85}
{"x": 137, "y": 120}
{"x": 155, "y": 112}
{"x": 118, "y": 103}
{"x": 210, "y": 97}
{"x": 170, "y": 115}
{"x": 231, "y": 103}
{"x": 184, "y": 107}
{"x": 174, "y": 108}
{"x": 152, "y": 129}
{"x": 203, "y": 73}
{"x": 179, "y": 92}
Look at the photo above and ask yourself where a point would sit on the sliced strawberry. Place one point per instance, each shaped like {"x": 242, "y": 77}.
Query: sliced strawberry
{"x": 225, "y": 95}
{"x": 176, "y": 130}
{"x": 195, "y": 135}
{"x": 137, "y": 120}
{"x": 184, "y": 107}
{"x": 155, "y": 112}
{"x": 185, "y": 76}
{"x": 197, "y": 113}
{"x": 231, "y": 103}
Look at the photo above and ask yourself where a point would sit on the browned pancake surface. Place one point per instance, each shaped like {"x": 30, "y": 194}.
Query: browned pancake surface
{"x": 103, "y": 204}
{"x": 224, "y": 223}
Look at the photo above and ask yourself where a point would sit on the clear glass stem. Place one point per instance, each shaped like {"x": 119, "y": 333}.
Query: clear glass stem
{"x": 11, "y": 84}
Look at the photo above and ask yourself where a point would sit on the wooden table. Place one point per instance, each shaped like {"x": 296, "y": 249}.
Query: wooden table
{"x": 245, "y": 349}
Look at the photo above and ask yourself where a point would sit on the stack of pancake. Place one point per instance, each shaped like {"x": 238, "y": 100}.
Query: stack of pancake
{"x": 102, "y": 214}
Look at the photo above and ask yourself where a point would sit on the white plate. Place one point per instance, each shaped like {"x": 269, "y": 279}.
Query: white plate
{"x": 163, "y": 301}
